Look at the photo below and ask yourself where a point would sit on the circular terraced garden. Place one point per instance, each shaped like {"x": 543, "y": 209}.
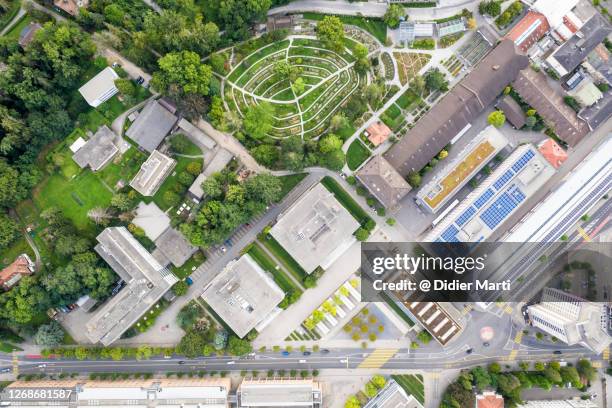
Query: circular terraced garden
{"x": 329, "y": 80}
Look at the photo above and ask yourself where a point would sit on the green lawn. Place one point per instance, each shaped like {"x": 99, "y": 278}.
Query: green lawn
{"x": 398, "y": 310}
{"x": 289, "y": 182}
{"x": 75, "y": 197}
{"x": 357, "y": 153}
{"x": 191, "y": 149}
{"x": 185, "y": 270}
{"x": 18, "y": 247}
{"x": 16, "y": 30}
{"x": 412, "y": 384}
{"x": 171, "y": 181}
{"x": 374, "y": 26}
{"x": 6, "y": 17}
{"x": 407, "y": 99}
{"x": 283, "y": 256}
{"x": 126, "y": 167}
{"x": 268, "y": 264}
{"x": 345, "y": 199}
{"x": 393, "y": 112}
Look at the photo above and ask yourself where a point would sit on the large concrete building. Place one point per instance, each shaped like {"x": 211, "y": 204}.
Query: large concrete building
{"x": 458, "y": 172}
{"x": 244, "y": 295}
{"x": 574, "y": 403}
{"x": 100, "y": 88}
{"x": 316, "y": 229}
{"x": 495, "y": 199}
{"x": 393, "y": 396}
{"x": 285, "y": 393}
{"x": 153, "y": 393}
{"x": 146, "y": 282}
{"x": 571, "y": 319}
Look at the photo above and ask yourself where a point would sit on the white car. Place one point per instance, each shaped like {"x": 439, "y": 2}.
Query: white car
{"x": 231, "y": 362}
{"x": 302, "y": 361}
{"x": 42, "y": 366}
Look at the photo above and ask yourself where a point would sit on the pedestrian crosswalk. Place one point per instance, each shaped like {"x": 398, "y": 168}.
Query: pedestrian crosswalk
{"x": 508, "y": 310}
{"x": 15, "y": 365}
{"x": 606, "y": 354}
{"x": 512, "y": 355}
{"x": 467, "y": 309}
{"x": 583, "y": 234}
{"x": 519, "y": 337}
{"x": 378, "y": 358}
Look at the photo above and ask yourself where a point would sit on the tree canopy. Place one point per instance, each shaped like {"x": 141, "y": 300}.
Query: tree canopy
{"x": 330, "y": 31}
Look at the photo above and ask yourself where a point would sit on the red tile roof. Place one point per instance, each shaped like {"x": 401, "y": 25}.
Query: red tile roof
{"x": 529, "y": 30}
{"x": 378, "y": 132}
{"x": 489, "y": 400}
{"x": 21, "y": 265}
{"x": 552, "y": 152}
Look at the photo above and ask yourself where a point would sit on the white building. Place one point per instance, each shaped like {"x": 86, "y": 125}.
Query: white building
{"x": 393, "y": 396}
{"x": 100, "y": 88}
{"x": 285, "y": 393}
{"x": 571, "y": 319}
{"x": 576, "y": 403}
{"x": 152, "y": 173}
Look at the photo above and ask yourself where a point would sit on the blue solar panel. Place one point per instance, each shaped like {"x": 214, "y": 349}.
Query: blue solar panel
{"x": 503, "y": 179}
{"x": 449, "y": 234}
{"x": 484, "y": 197}
{"x": 520, "y": 163}
{"x": 517, "y": 194}
{"x": 498, "y": 211}
{"x": 465, "y": 217}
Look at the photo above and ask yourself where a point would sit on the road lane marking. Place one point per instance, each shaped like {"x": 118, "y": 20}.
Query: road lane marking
{"x": 519, "y": 337}
{"x": 378, "y": 358}
{"x": 508, "y": 309}
{"x": 606, "y": 354}
{"x": 584, "y": 234}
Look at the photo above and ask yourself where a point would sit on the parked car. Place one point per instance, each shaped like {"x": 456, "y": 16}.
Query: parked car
{"x": 181, "y": 362}
{"x": 231, "y": 362}
{"x": 5, "y": 370}
{"x": 285, "y": 353}
{"x": 140, "y": 80}
{"x": 325, "y": 351}
{"x": 306, "y": 353}
{"x": 557, "y": 352}
{"x": 302, "y": 361}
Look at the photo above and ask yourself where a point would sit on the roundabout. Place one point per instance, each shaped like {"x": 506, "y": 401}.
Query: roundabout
{"x": 302, "y": 81}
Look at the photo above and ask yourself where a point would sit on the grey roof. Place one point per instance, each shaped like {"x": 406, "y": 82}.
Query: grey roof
{"x": 196, "y": 133}
{"x": 513, "y": 111}
{"x": 466, "y": 101}
{"x": 98, "y": 150}
{"x": 27, "y": 34}
{"x": 576, "y": 49}
{"x": 243, "y": 295}
{"x": 534, "y": 89}
{"x": 383, "y": 181}
{"x": 151, "y": 126}
{"x": 146, "y": 280}
{"x": 152, "y": 173}
{"x": 316, "y": 229}
{"x": 175, "y": 247}
{"x": 599, "y": 59}
{"x": 598, "y": 113}
{"x": 279, "y": 393}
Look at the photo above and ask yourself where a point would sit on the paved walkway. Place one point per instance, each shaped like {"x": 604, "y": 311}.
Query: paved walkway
{"x": 14, "y": 21}
{"x": 231, "y": 144}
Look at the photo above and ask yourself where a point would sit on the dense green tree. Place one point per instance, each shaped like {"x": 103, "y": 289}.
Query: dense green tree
{"x": 170, "y": 31}
{"x": 329, "y": 143}
{"x": 264, "y": 188}
{"x": 49, "y": 335}
{"x": 418, "y": 84}
{"x": 9, "y": 231}
{"x": 258, "y": 120}
{"x": 496, "y": 118}
{"x": 435, "y": 80}
{"x": 393, "y": 15}
{"x": 330, "y": 31}
{"x": 238, "y": 347}
{"x": 265, "y": 154}
{"x": 23, "y": 302}
{"x": 235, "y": 16}
{"x": 121, "y": 201}
{"x": 186, "y": 71}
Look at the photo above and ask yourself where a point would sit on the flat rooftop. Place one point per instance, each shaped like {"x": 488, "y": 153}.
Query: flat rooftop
{"x": 393, "y": 396}
{"x": 498, "y": 196}
{"x": 243, "y": 294}
{"x": 98, "y": 150}
{"x": 459, "y": 171}
{"x": 146, "y": 282}
{"x": 175, "y": 247}
{"x": 152, "y": 173}
{"x": 316, "y": 229}
{"x": 279, "y": 393}
{"x": 439, "y": 319}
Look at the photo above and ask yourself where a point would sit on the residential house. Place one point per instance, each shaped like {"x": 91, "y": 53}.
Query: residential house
{"x": 12, "y": 274}
{"x": 151, "y": 126}
{"x": 100, "y": 88}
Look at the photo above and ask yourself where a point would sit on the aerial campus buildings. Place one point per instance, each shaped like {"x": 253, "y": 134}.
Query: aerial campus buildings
{"x": 316, "y": 229}
{"x": 146, "y": 282}
{"x": 266, "y": 393}
{"x": 571, "y": 319}
{"x": 393, "y": 396}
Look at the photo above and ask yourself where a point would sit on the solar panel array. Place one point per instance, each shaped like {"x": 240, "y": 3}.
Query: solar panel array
{"x": 502, "y": 207}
